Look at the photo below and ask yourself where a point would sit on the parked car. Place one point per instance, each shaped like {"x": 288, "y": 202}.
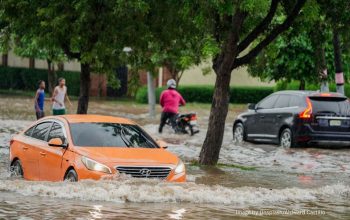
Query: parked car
{"x": 76, "y": 147}
{"x": 296, "y": 118}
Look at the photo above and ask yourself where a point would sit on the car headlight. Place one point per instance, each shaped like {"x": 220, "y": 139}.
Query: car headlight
{"x": 180, "y": 168}
{"x": 94, "y": 165}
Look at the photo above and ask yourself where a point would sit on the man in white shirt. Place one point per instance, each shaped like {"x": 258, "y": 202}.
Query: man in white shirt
{"x": 58, "y": 98}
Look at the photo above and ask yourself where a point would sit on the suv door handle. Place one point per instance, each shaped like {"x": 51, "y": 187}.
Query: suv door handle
{"x": 279, "y": 116}
{"x": 42, "y": 153}
{"x": 25, "y": 148}
{"x": 261, "y": 116}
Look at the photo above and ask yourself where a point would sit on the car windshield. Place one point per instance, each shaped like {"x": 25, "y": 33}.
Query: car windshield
{"x": 110, "y": 135}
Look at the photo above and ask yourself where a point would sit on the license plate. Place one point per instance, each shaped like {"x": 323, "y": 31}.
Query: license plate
{"x": 193, "y": 122}
{"x": 334, "y": 123}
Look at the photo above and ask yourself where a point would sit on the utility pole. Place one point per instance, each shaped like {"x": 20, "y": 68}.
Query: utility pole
{"x": 151, "y": 95}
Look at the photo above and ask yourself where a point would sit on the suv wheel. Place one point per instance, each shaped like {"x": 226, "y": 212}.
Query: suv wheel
{"x": 286, "y": 138}
{"x": 238, "y": 133}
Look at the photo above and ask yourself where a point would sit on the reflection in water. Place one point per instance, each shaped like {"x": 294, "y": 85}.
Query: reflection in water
{"x": 177, "y": 214}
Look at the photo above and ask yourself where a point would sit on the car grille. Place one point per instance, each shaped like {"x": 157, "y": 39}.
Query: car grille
{"x": 145, "y": 172}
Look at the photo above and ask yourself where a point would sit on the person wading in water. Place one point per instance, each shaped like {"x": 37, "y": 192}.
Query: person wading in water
{"x": 58, "y": 98}
{"x": 39, "y": 100}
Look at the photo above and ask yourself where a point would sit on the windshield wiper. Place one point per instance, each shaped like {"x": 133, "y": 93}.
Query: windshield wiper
{"x": 122, "y": 135}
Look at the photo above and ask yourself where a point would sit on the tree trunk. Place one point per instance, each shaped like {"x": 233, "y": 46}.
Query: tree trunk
{"x": 31, "y": 63}
{"x": 302, "y": 84}
{"x": 223, "y": 64}
{"x": 339, "y": 76}
{"x": 5, "y": 59}
{"x": 212, "y": 144}
{"x": 151, "y": 95}
{"x": 51, "y": 76}
{"x": 85, "y": 82}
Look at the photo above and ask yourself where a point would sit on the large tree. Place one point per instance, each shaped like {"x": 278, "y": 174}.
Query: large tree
{"x": 235, "y": 25}
{"x": 337, "y": 14}
{"x": 92, "y": 32}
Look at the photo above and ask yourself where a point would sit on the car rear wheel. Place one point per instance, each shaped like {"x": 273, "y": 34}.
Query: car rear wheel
{"x": 16, "y": 169}
{"x": 286, "y": 140}
{"x": 238, "y": 133}
{"x": 71, "y": 176}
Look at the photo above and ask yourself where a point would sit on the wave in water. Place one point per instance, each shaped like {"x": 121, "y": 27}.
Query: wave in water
{"x": 135, "y": 190}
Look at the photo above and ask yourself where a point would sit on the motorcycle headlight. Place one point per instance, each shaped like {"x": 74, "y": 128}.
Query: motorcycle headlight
{"x": 94, "y": 165}
{"x": 180, "y": 168}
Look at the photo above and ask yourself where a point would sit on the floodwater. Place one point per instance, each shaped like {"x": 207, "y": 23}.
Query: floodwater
{"x": 256, "y": 182}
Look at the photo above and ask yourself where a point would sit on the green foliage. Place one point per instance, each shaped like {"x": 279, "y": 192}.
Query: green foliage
{"x": 204, "y": 94}
{"x": 297, "y": 54}
{"x": 27, "y": 79}
{"x": 294, "y": 85}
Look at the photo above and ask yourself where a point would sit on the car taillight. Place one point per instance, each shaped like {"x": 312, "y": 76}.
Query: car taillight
{"x": 306, "y": 114}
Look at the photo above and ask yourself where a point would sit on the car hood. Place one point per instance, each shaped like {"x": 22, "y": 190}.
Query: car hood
{"x": 144, "y": 156}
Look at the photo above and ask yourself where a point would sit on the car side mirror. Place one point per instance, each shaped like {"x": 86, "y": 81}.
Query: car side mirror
{"x": 57, "y": 142}
{"x": 162, "y": 144}
{"x": 252, "y": 106}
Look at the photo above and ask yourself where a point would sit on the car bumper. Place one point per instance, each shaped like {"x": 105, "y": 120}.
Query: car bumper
{"x": 95, "y": 175}
{"x": 323, "y": 138}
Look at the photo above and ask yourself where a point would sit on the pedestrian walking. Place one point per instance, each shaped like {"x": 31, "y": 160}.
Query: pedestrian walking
{"x": 59, "y": 97}
{"x": 39, "y": 100}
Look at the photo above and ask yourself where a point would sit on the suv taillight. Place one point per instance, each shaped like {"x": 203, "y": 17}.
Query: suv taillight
{"x": 306, "y": 114}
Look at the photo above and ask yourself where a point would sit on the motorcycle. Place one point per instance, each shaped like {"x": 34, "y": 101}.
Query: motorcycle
{"x": 185, "y": 124}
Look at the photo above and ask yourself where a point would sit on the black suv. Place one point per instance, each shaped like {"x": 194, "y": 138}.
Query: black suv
{"x": 293, "y": 118}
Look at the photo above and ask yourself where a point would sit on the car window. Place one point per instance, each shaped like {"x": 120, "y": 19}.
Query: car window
{"x": 41, "y": 131}
{"x": 110, "y": 135}
{"x": 282, "y": 101}
{"x": 56, "y": 132}
{"x": 333, "y": 106}
{"x": 268, "y": 102}
{"x": 294, "y": 101}
{"x": 29, "y": 131}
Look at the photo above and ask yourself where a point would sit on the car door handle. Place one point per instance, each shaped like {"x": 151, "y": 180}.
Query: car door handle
{"x": 279, "y": 116}
{"x": 25, "y": 148}
{"x": 42, "y": 153}
{"x": 261, "y": 116}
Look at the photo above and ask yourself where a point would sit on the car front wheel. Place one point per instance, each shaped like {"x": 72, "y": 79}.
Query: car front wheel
{"x": 238, "y": 133}
{"x": 71, "y": 176}
{"x": 16, "y": 169}
{"x": 286, "y": 138}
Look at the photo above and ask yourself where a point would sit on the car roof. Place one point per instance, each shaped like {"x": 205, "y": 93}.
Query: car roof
{"x": 309, "y": 93}
{"x": 80, "y": 118}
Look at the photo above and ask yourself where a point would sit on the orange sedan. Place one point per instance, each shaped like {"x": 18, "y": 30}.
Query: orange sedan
{"x": 76, "y": 147}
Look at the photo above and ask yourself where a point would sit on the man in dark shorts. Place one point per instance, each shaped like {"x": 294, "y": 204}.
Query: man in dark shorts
{"x": 39, "y": 100}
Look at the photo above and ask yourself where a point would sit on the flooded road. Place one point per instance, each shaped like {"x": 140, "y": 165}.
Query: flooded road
{"x": 251, "y": 182}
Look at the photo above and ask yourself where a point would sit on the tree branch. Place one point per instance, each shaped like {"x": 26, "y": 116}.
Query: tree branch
{"x": 68, "y": 52}
{"x": 272, "y": 36}
{"x": 259, "y": 28}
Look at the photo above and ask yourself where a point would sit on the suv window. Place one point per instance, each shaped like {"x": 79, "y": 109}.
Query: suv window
{"x": 41, "y": 130}
{"x": 282, "y": 101}
{"x": 29, "y": 131}
{"x": 332, "y": 106}
{"x": 56, "y": 132}
{"x": 268, "y": 102}
{"x": 294, "y": 101}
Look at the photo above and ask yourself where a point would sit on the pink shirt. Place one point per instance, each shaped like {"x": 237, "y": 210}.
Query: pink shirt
{"x": 170, "y": 100}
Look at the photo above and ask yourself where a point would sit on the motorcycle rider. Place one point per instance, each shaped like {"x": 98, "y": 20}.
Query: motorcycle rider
{"x": 170, "y": 100}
